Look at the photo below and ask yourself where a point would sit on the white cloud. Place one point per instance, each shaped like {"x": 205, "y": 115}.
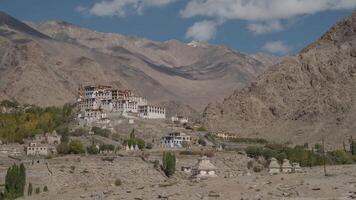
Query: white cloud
{"x": 261, "y": 10}
{"x": 276, "y": 47}
{"x": 203, "y": 31}
{"x": 123, "y": 8}
{"x": 263, "y": 16}
{"x": 265, "y": 27}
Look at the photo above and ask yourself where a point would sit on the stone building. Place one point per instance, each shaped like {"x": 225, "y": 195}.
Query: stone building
{"x": 175, "y": 139}
{"x": 53, "y": 138}
{"x": 152, "y": 112}
{"x": 204, "y": 168}
{"x": 35, "y": 150}
{"x": 179, "y": 119}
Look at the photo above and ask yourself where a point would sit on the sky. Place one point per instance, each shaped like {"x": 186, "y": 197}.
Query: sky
{"x": 280, "y": 27}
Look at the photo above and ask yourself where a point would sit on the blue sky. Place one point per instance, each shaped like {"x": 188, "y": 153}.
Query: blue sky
{"x": 274, "y": 26}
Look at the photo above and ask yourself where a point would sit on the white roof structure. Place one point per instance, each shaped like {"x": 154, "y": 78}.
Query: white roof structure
{"x": 205, "y": 164}
{"x": 274, "y": 164}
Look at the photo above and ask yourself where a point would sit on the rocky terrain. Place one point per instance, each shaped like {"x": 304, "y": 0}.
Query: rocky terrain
{"x": 302, "y": 99}
{"x": 79, "y": 177}
{"x": 44, "y": 64}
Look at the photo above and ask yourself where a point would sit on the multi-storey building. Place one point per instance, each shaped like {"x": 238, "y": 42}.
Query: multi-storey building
{"x": 95, "y": 101}
{"x": 175, "y": 139}
{"x": 152, "y": 112}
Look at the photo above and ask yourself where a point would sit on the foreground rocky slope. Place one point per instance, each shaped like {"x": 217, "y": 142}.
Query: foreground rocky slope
{"x": 304, "y": 98}
{"x": 46, "y": 64}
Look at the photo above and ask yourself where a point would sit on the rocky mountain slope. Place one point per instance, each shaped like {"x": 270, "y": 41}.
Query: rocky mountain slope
{"x": 194, "y": 74}
{"x": 303, "y": 98}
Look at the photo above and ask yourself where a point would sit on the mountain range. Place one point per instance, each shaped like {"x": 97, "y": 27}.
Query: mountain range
{"x": 44, "y": 63}
{"x": 304, "y": 98}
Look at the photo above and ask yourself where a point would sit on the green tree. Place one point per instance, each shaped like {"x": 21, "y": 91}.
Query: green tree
{"x": 38, "y": 190}
{"x": 15, "y": 181}
{"x": 63, "y": 148}
{"x": 169, "y": 163}
{"x": 45, "y": 188}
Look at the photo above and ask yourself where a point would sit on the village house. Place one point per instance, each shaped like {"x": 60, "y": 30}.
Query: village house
{"x": 204, "y": 168}
{"x": 175, "y": 139}
{"x": 53, "y": 138}
{"x": 224, "y": 135}
{"x": 179, "y": 119}
{"x": 35, "y": 150}
{"x": 152, "y": 112}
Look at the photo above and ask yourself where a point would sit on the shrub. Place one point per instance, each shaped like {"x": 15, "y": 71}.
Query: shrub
{"x": 140, "y": 143}
{"x": 100, "y": 131}
{"x": 38, "y": 190}
{"x": 45, "y": 188}
{"x": 76, "y": 147}
{"x": 63, "y": 148}
{"x": 169, "y": 163}
{"x": 118, "y": 182}
{"x": 202, "y": 142}
{"x": 92, "y": 149}
{"x": 249, "y": 140}
{"x": 202, "y": 128}
{"x": 107, "y": 147}
{"x": 254, "y": 152}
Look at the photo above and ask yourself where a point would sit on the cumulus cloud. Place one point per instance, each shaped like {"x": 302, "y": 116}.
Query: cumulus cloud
{"x": 263, "y": 16}
{"x": 123, "y": 8}
{"x": 278, "y": 47}
{"x": 203, "y": 31}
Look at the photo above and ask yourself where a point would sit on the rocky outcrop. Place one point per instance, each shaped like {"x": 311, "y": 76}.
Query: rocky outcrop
{"x": 303, "y": 98}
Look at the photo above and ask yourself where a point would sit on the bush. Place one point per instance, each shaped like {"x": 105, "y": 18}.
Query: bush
{"x": 101, "y": 132}
{"x": 76, "y": 147}
{"x": 92, "y": 149}
{"x": 169, "y": 163}
{"x": 63, "y": 148}
{"x": 107, "y": 147}
{"x": 254, "y": 152}
{"x": 38, "y": 190}
{"x": 45, "y": 188}
{"x": 118, "y": 182}
{"x": 202, "y": 128}
{"x": 202, "y": 142}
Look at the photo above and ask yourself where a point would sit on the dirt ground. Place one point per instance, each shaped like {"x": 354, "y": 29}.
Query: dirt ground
{"x": 89, "y": 177}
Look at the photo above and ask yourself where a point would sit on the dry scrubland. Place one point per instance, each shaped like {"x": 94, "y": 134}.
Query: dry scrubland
{"x": 92, "y": 178}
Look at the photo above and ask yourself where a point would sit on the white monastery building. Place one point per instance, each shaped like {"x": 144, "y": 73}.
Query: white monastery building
{"x": 95, "y": 102}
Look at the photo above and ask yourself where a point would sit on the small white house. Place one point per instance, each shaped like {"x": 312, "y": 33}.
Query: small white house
{"x": 175, "y": 139}
{"x": 152, "y": 112}
{"x": 179, "y": 119}
{"x": 34, "y": 150}
{"x": 204, "y": 168}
